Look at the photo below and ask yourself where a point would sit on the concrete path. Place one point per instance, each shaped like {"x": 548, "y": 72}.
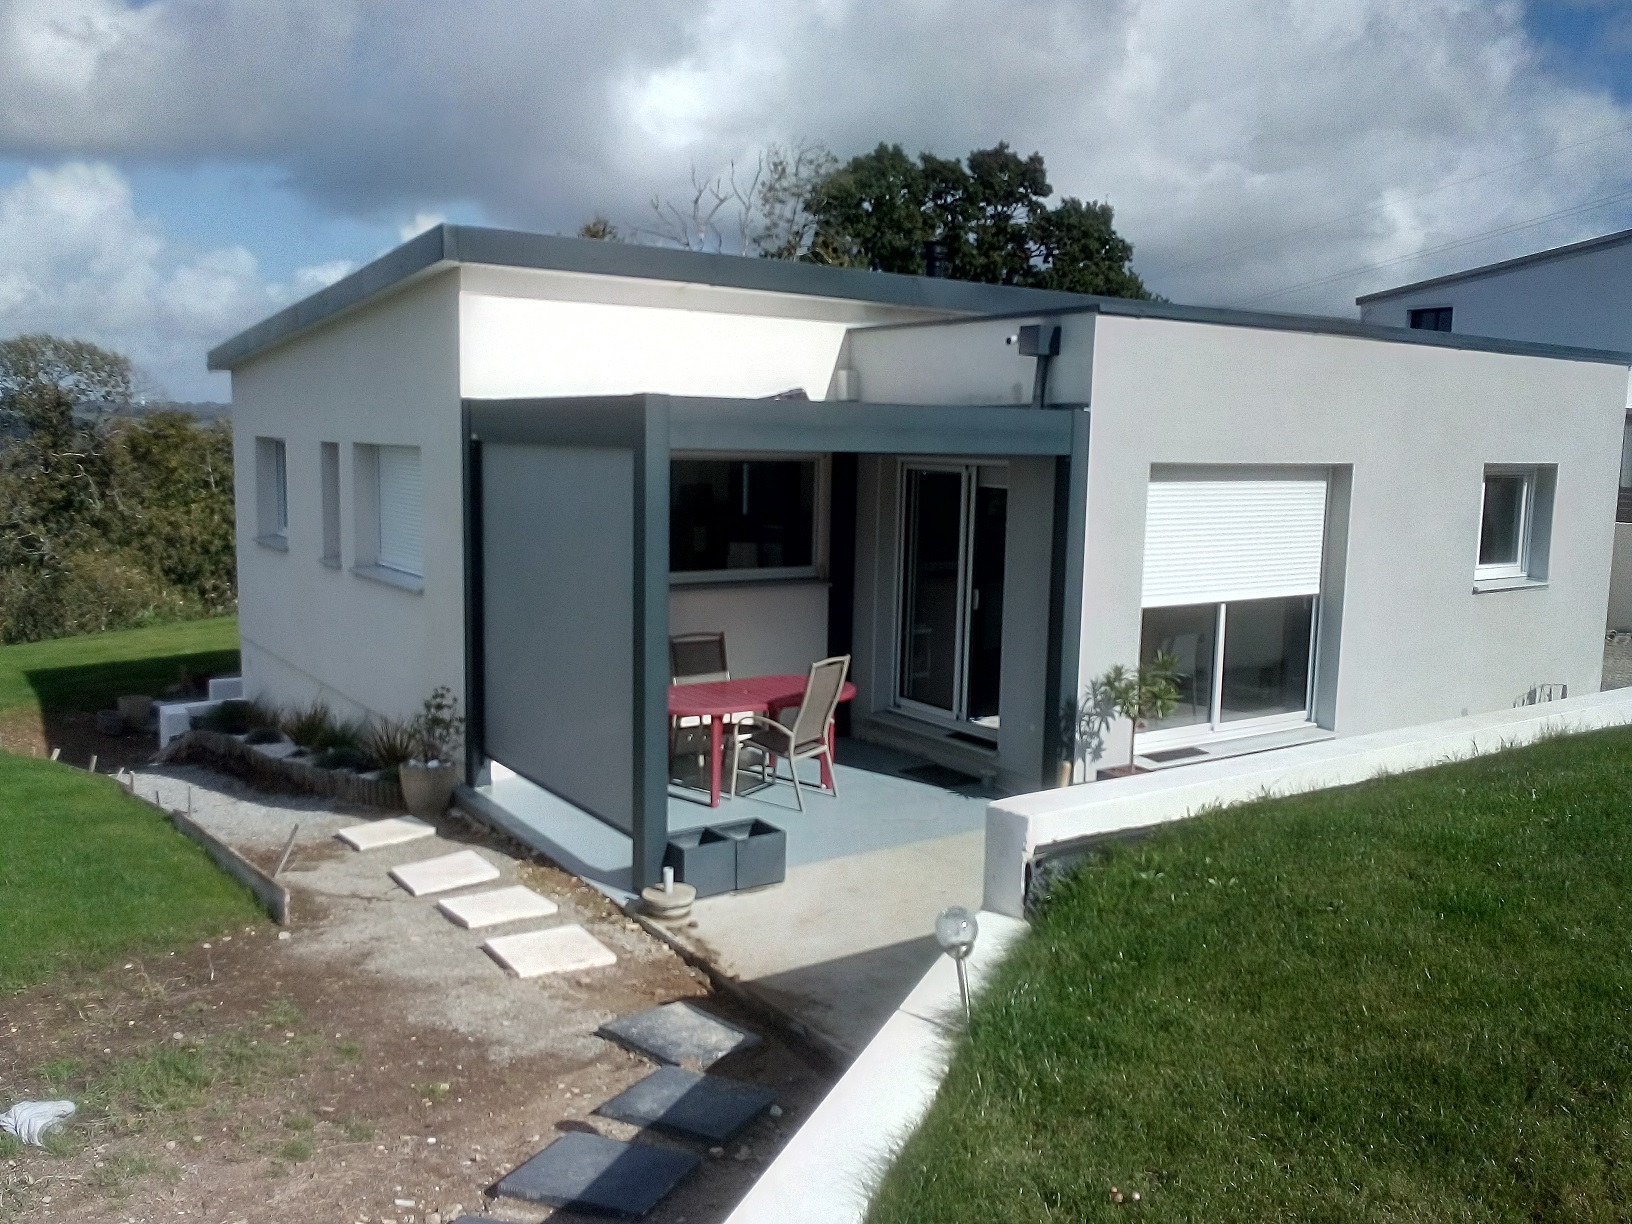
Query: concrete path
{"x": 839, "y": 943}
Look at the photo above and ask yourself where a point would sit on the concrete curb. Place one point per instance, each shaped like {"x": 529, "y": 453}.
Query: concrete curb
{"x": 272, "y": 895}
{"x": 1023, "y": 830}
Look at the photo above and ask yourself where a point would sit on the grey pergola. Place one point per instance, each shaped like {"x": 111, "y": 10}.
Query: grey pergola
{"x": 567, "y": 568}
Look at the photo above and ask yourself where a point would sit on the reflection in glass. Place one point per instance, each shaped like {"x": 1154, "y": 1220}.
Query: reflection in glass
{"x": 730, "y": 514}
{"x": 1266, "y": 657}
{"x": 1502, "y": 525}
{"x": 1187, "y": 633}
{"x": 934, "y": 538}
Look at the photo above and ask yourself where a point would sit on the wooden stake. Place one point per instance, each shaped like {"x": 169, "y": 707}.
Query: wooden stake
{"x": 288, "y": 848}
{"x": 92, "y": 769}
{"x": 55, "y": 753}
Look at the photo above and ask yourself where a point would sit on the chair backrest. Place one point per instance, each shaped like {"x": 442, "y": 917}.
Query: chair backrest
{"x": 697, "y": 658}
{"x": 822, "y": 692}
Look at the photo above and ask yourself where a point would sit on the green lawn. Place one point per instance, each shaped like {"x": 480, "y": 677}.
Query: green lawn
{"x": 88, "y": 874}
{"x": 88, "y": 673}
{"x": 1405, "y": 1000}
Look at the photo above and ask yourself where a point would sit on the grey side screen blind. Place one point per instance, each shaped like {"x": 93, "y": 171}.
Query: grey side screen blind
{"x": 558, "y": 621}
{"x": 1214, "y": 541}
{"x": 402, "y": 511}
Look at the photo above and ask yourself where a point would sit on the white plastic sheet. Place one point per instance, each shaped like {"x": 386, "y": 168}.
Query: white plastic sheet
{"x": 29, "y": 1120}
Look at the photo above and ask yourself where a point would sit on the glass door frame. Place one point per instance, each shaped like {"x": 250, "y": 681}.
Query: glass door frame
{"x": 969, "y": 471}
{"x": 1216, "y": 730}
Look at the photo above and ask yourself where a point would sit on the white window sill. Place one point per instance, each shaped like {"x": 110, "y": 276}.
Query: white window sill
{"x": 277, "y": 543}
{"x": 391, "y": 577}
{"x": 1220, "y": 747}
{"x": 1484, "y": 586}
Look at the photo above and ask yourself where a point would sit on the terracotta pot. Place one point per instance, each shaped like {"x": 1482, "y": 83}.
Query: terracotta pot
{"x": 427, "y": 789}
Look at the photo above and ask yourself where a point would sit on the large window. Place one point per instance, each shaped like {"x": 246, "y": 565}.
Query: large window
{"x": 272, "y": 492}
{"x": 742, "y": 518}
{"x": 1238, "y": 662}
{"x": 1231, "y": 591}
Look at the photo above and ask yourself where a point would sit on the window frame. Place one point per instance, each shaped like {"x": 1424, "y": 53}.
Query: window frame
{"x": 272, "y": 493}
{"x": 1414, "y": 313}
{"x": 365, "y": 504}
{"x": 1519, "y": 567}
{"x": 1218, "y": 729}
{"x": 816, "y": 570}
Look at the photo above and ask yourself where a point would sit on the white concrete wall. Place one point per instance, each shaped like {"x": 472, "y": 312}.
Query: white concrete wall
{"x": 1583, "y": 300}
{"x": 969, "y": 362}
{"x": 387, "y": 373}
{"x": 1417, "y": 424}
{"x": 771, "y": 628}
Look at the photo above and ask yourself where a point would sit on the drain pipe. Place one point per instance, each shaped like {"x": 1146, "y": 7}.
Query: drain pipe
{"x": 1042, "y": 341}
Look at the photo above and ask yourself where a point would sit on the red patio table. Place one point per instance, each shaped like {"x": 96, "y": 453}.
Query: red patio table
{"x": 717, "y": 700}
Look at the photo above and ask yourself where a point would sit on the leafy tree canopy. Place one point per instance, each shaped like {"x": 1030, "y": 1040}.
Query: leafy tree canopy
{"x": 987, "y": 218}
{"x": 42, "y": 376}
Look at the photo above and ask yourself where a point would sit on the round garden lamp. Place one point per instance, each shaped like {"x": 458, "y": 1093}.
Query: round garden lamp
{"x": 955, "y": 931}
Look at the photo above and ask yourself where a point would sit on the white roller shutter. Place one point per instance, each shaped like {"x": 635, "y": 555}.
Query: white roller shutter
{"x": 1211, "y": 541}
{"x": 401, "y": 510}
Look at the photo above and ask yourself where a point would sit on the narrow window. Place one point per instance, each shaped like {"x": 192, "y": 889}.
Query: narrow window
{"x": 1504, "y": 523}
{"x": 271, "y": 493}
{"x": 330, "y": 461}
{"x": 401, "y": 513}
{"x": 1433, "y": 318}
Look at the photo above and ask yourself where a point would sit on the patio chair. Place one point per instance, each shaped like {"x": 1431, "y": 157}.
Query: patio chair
{"x": 805, "y": 736}
{"x": 695, "y": 658}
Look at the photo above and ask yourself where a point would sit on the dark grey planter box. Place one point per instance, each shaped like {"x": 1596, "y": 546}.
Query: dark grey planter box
{"x": 704, "y": 858}
{"x": 762, "y": 852}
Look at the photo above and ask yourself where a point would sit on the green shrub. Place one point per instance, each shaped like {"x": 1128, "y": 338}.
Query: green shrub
{"x": 307, "y": 726}
{"x": 229, "y": 718}
{"x": 390, "y": 742}
{"x": 342, "y": 758}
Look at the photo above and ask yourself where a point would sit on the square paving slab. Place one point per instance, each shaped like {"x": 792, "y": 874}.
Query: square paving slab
{"x": 678, "y": 1033}
{"x": 594, "y": 1173}
{"x": 458, "y": 870}
{"x": 689, "y": 1103}
{"x": 499, "y": 905}
{"x": 377, "y": 833}
{"x": 562, "y": 949}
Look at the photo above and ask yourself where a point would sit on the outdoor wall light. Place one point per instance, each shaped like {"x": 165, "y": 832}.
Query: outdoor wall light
{"x": 955, "y": 931}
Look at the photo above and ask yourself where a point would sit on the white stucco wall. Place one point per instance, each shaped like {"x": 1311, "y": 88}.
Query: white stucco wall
{"x": 1417, "y": 424}
{"x": 969, "y": 362}
{"x": 386, "y": 374}
{"x": 1583, "y": 300}
{"x": 771, "y": 629}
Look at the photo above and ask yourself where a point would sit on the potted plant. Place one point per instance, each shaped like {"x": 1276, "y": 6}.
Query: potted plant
{"x": 1149, "y": 692}
{"x": 429, "y": 776}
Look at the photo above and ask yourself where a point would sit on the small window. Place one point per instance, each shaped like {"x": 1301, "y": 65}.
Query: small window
{"x": 1504, "y": 524}
{"x": 401, "y": 512}
{"x": 271, "y": 492}
{"x": 742, "y": 518}
{"x": 330, "y": 461}
{"x": 1433, "y": 318}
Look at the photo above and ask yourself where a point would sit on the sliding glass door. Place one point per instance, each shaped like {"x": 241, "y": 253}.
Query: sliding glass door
{"x": 954, "y": 521}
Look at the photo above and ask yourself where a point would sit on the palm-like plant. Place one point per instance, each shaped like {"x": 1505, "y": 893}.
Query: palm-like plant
{"x": 1139, "y": 695}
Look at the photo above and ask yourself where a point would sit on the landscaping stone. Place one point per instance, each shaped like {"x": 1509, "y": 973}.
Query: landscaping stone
{"x": 460, "y": 869}
{"x": 377, "y": 833}
{"x": 678, "y": 1033}
{"x": 496, "y": 906}
{"x": 594, "y": 1173}
{"x": 563, "y": 949}
{"x": 688, "y": 1103}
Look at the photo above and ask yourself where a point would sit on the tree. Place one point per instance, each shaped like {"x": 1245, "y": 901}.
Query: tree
{"x": 600, "y": 229}
{"x": 750, "y": 210}
{"x": 987, "y": 220}
{"x": 33, "y": 366}
{"x": 1150, "y": 691}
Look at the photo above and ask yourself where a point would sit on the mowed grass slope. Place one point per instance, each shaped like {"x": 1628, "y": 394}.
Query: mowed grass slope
{"x": 1405, "y": 1000}
{"x": 91, "y": 672}
{"x": 88, "y": 873}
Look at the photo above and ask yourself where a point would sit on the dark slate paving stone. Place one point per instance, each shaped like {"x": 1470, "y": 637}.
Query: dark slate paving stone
{"x": 679, "y": 1033}
{"x": 688, "y": 1103}
{"x": 593, "y": 1173}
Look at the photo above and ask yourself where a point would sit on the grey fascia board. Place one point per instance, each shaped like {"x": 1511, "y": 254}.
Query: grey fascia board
{"x": 1505, "y": 265}
{"x": 1323, "y": 325}
{"x": 757, "y": 425}
{"x": 466, "y": 244}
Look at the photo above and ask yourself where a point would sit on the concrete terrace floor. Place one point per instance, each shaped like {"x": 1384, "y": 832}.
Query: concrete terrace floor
{"x": 841, "y": 941}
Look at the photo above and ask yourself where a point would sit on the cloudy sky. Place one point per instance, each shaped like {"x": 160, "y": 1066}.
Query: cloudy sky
{"x": 172, "y": 170}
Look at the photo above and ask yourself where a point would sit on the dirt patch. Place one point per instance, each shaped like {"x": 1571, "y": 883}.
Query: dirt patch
{"x": 373, "y": 1056}
{"x": 28, "y": 732}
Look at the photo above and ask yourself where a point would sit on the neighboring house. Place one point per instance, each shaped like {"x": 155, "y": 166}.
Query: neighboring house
{"x": 514, "y": 464}
{"x": 1579, "y": 294}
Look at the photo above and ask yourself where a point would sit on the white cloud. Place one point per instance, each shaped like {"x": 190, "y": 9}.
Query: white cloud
{"x": 77, "y": 260}
{"x": 422, "y": 221}
{"x": 1220, "y": 129}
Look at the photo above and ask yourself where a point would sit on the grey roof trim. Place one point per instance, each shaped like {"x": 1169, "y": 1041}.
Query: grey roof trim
{"x": 1563, "y": 252}
{"x": 450, "y": 244}
{"x": 1316, "y": 324}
